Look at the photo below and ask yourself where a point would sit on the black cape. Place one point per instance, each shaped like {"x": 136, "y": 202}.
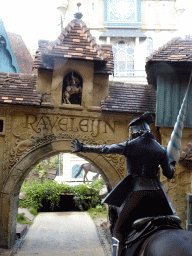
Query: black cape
{"x": 120, "y": 192}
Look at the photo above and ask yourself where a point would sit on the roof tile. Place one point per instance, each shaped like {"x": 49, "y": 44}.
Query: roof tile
{"x": 19, "y": 89}
{"x": 176, "y": 49}
{"x": 74, "y": 38}
{"x": 130, "y": 98}
{"x": 22, "y": 54}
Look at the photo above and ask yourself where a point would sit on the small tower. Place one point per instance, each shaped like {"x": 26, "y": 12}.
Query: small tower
{"x": 73, "y": 71}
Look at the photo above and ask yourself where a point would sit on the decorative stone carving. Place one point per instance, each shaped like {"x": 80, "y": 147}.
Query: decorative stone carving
{"x": 24, "y": 145}
{"x": 118, "y": 162}
{"x": 7, "y": 146}
{"x": 72, "y": 85}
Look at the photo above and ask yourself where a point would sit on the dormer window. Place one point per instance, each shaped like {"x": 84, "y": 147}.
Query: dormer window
{"x": 72, "y": 88}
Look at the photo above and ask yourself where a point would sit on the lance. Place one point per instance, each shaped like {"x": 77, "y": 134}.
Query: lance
{"x": 174, "y": 144}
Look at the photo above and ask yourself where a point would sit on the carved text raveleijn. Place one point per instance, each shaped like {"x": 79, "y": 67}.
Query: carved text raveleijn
{"x": 74, "y": 124}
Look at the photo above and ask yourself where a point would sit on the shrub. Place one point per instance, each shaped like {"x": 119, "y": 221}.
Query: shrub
{"x": 86, "y": 197}
{"x": 37, "y": 192}
{"x": 34, "y": 212}
{"x": 48, "y": 192}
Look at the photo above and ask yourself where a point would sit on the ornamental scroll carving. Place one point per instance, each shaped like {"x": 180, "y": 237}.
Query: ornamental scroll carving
{"x": 118, "y": 161}
{"x": 22, "y": 143}
{"x": 26, "y": 143}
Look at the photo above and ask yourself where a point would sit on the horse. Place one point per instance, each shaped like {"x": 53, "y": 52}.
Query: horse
{"x": 87, "y": 168}
{"x": 167, "y": 242}
{"x": 73, "y": 87}
{"x": 154, "y": 236}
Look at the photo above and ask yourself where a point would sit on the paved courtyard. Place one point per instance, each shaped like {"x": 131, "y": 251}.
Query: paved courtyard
{"x": 62, "y": 233}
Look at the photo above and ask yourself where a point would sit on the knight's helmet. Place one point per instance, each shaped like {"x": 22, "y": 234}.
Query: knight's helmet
{"x": 140, "y": 124}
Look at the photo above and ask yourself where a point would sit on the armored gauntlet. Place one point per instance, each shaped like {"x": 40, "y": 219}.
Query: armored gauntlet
{"x": 93, "y": 149}
{"x": 80, "y": 147}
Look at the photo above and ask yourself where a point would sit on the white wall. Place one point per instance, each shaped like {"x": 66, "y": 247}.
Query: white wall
{"x": 69, "y": 160}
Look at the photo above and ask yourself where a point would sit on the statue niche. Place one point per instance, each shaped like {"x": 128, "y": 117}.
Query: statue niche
{"x": 72, "y": 89}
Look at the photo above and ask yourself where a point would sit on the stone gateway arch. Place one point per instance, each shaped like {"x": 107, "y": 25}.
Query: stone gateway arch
{"x": 32, "y": 137}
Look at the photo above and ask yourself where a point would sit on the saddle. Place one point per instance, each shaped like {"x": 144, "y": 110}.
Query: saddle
{"x": 144, "y": 227}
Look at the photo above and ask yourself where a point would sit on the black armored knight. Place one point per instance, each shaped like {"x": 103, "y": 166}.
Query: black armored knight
{"x": 141, "y": 191}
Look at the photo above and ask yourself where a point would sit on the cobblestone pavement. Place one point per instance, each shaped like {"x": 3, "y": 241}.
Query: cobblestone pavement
{"x": 93, "y": 240}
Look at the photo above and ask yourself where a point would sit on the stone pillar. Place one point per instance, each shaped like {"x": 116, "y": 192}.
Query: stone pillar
{"x": 8, "y": 220}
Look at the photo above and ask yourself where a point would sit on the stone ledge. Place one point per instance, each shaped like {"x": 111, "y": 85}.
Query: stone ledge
{"x": 21, "y": 230}
{"x": 71, "y": 106}
{"x": 94, "y": 108}
{"x": 47, "y": 104}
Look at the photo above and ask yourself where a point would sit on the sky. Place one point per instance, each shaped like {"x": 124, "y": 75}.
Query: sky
{"x": 40, "y": 19}
{"x": 32, "y": 20}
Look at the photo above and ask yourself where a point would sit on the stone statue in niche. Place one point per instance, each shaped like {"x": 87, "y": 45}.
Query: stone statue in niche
{"x": 72, "y": 89}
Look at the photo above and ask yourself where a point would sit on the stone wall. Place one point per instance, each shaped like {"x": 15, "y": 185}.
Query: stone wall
{"x": 178, "y": 187}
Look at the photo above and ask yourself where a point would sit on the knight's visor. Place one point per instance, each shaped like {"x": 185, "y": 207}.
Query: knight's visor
{"x": 140, "y": 127}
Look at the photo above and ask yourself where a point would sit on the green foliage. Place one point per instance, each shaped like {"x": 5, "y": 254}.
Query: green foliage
{"x": 37, "y": 192}
{"x": 98, "y": 212}
{"x": 86, "y": 197}
{"x": 34, "y": 212}
{"x": 49, "y": 191}
{"x": 98, "y": 183}
{"x": 22, "y": 219}
{"x": 44, "y": 167}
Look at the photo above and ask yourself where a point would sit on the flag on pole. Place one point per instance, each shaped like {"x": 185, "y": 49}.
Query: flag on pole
{"x": 174, "y": 144}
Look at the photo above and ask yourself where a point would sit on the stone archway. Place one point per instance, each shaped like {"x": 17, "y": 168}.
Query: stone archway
{"x": 20, "y": 170}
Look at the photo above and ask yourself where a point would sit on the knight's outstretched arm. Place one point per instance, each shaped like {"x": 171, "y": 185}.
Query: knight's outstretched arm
{"x": 80, "y": 147}
{"x": 99, "y": 149}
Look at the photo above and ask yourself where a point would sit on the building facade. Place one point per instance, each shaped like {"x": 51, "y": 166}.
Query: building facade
{"x": 135, "y": 28}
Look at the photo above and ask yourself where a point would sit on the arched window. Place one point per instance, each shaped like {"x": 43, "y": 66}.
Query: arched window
{"x": 123, "y": 59}
{"x": 72, "y": 88}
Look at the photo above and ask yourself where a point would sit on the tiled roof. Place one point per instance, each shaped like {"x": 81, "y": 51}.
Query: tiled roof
{"x": 173, "y": 53}
{"x": 106, "y": 67}
{"x": 130, "y": 98}
{"x": 178, "y": 49}
{"x": 19, "y": 88}
{"x": 75, "y": 42}
{"x": 22, "y": 54}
